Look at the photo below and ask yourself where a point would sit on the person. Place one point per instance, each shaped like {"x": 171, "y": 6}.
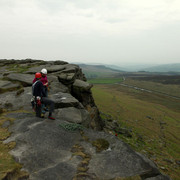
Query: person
{"x": 40, "y": 96}
{"x": 44, "y": 80}
{"x": 45, "y": 83}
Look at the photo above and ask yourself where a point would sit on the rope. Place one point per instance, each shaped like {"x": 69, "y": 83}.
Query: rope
{"x": 71, "y": 126}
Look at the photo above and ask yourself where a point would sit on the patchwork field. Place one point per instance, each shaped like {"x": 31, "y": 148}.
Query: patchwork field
{"x": 105, "y": 80}
{"x": 153, "y": 118}
{"x": 168, "y": 89}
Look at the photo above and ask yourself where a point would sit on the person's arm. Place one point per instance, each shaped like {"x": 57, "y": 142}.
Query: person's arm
{"x": 46, "y": 81}
{"x": 43, "y": 94}
{"x": 34, "y": 80}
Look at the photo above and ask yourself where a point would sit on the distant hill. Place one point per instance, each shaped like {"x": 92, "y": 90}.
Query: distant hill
{"x": 96, "y": 71}
{"x": 164, "y": 68}
{"x": 115, "y": 67}
{"x": 108, "y": 70}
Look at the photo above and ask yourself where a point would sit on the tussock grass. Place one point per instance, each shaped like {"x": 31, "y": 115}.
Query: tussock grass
{"x": 17, "y": 68}
{"x": 9, "y": 169}
{"x": 154, "y": 120}
{"x": 100, "y": 144}
{"x": 7, "y": 164}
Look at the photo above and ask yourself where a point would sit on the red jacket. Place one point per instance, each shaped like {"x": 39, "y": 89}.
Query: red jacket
{"x": 43, "y": 80}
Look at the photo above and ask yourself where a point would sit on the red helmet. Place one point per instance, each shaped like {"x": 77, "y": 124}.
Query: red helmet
{"x": 38, "y": 75}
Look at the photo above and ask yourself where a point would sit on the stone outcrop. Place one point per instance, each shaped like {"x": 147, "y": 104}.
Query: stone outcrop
{"x": 25, "y": 79}
{"x": 69, "y": 147}
{"x": 8, "y": 86}
{"x": 63, "y": 78}
{"x": 74, "y": 115}
{"x": 48, "y": 150}
{"x": 65, "y": 100}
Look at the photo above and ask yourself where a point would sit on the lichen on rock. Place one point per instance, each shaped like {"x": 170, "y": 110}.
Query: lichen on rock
{"x": 100, "y": 144}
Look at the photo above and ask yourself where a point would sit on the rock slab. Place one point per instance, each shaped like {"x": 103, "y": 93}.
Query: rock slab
{"x": 46, "y": 151}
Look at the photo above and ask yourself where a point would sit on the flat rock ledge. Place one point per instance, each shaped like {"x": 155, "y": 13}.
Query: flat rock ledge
{"x": 48, "y": 151}
{"x": 24, "y": 79}
{"x": 8, "y": 86}
{"x": 65, "y": 100}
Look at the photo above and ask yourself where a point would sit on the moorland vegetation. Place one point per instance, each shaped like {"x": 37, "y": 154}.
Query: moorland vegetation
{"x": 148, "y": 122}
{"x": 152, "y": 117}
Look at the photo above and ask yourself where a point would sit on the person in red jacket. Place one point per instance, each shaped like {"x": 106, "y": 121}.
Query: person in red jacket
{"x": 44, "y": 80}
{"x": 39, "y": 95}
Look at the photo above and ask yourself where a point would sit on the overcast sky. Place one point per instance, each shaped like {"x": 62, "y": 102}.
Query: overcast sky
{"x": 91, "y": 31}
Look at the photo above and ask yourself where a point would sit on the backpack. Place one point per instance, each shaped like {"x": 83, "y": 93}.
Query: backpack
{"x": 34, "y": 86}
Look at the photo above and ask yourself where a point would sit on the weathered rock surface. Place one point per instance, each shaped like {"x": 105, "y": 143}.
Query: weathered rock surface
{"x": 7, "y": 86}
{"x": 81, "y": 86}
{"x": 12, "y": 101}
{"x": 24, "y": 79}
{"x": 66, "y": 78}
{"x": 50, "y": 68}
{"x": 74, "y": 115}
{"x": 61, "y": 76}
{"x": 56, "y": 86}
{"x": 65, "y": 100}
{"x": 68, "y": 147}
{"x": 46, "y": 151}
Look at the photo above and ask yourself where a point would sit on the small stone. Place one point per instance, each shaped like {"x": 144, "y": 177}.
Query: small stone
{"x": 163, "y": 168}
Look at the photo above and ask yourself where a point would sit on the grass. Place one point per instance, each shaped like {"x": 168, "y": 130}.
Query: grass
{"x": 155, "y": 98}
{"x": 17, "y": 68}
{"x": 20, "y": 68}
{"x": 8, "y": 167}
{"x": 96, "y": 74}
{"x": 170, "y": 89}
{"x": 100, "y": 144}
{"x": 105, "y": 80}
{"x": 7, "y": 164}
{"x": 153, "y": 119}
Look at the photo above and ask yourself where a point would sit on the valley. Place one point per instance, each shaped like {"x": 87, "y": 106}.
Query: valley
{"x": 153, "y": 118}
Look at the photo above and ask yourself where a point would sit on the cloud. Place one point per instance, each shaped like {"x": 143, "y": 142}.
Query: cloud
{"x": 89, "y": 16}
{"x": 93, "y": 28}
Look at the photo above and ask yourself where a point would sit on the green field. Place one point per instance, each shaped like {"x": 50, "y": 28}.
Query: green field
{"x": 154, "y": 120}
{"x": 105, "y": 80}
{"x": 170, "y": 89}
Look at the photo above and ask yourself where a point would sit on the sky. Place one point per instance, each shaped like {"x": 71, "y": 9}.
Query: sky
{"x": 91, "y": 31}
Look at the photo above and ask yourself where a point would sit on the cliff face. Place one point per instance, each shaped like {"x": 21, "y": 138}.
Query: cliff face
{"x": 69, "y": 147}
{"x": 68, "y": 86}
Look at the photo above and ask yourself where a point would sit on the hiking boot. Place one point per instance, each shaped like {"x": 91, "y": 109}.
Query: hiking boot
{"x": 50, "y": 117}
